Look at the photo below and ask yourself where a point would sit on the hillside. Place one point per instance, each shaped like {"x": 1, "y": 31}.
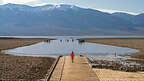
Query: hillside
{"x": 17, "y": 19}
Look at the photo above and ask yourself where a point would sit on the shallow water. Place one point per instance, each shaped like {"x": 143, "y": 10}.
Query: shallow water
{"x": 65, "y": 45}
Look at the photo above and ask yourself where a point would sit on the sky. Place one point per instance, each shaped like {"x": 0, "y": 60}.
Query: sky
{"x": 130, "y": 6}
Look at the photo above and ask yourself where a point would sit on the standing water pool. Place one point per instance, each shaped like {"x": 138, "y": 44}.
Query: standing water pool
{"x": 65, "y": 46}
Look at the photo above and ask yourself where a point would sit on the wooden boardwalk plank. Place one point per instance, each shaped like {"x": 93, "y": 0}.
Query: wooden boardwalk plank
{"x": 56, "y": 76}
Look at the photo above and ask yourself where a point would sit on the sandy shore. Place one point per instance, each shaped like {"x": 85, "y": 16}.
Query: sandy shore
{"x": 22, "y": 67}
{"x": 135, "y": 43}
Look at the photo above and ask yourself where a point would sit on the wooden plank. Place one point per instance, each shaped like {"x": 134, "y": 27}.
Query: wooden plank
{"x": 48, "y": 76}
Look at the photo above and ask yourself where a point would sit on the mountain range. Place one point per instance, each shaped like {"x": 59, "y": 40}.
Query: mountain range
{"x": 18, "y": 19}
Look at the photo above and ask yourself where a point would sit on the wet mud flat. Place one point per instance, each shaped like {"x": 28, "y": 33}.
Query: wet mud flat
{"x": 24, "y": 68}
{"x": 116, "y": 63}
{"x": 117, "y": 69}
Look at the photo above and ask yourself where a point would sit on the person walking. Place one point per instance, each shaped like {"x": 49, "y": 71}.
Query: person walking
{"x": 72, "y": 56}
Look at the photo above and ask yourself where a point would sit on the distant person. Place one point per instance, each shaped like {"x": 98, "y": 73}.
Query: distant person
{"x": 72, "y": 56}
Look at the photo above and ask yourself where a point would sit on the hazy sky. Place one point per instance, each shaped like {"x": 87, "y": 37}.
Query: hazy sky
{"x": 136, "y": 6}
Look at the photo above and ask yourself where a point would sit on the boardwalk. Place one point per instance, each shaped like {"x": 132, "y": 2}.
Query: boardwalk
{"x": 113, "y": 75}
{"x": 77, "y": 71}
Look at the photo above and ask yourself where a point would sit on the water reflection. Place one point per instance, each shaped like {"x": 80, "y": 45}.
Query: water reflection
{"x": 67, "y": 40}
{"x": 47, "y": 41}
{"x": 65, "y": 46}
{"x": 81, "y": 41}
{"x": 60, "y": 40}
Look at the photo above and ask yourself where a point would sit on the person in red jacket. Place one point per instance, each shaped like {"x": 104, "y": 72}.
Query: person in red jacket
{"x": 72, "y": 56}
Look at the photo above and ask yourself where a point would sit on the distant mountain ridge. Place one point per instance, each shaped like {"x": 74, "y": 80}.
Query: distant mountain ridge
{"x": 18, "y": 19}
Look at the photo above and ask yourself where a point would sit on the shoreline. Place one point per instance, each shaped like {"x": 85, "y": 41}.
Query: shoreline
{"x": 134, "y": 43}
{"x": 26, "y": 41}
{"x": 14, "y": 67}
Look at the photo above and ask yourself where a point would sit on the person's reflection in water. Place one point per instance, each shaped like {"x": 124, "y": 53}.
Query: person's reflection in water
{"x": 48, "y": 41}
{"x": 81, "y": 42}
{"x": 67, "y": 40}
{"x": 61, "y": 41}
{"x": 72, "y": 40}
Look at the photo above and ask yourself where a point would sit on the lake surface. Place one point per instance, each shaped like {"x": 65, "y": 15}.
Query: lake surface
{"x": 64, "y": 45}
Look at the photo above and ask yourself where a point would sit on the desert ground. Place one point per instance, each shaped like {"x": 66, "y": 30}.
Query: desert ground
{"x": 135, "y": 43}
{"x": 22, "y": 68}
